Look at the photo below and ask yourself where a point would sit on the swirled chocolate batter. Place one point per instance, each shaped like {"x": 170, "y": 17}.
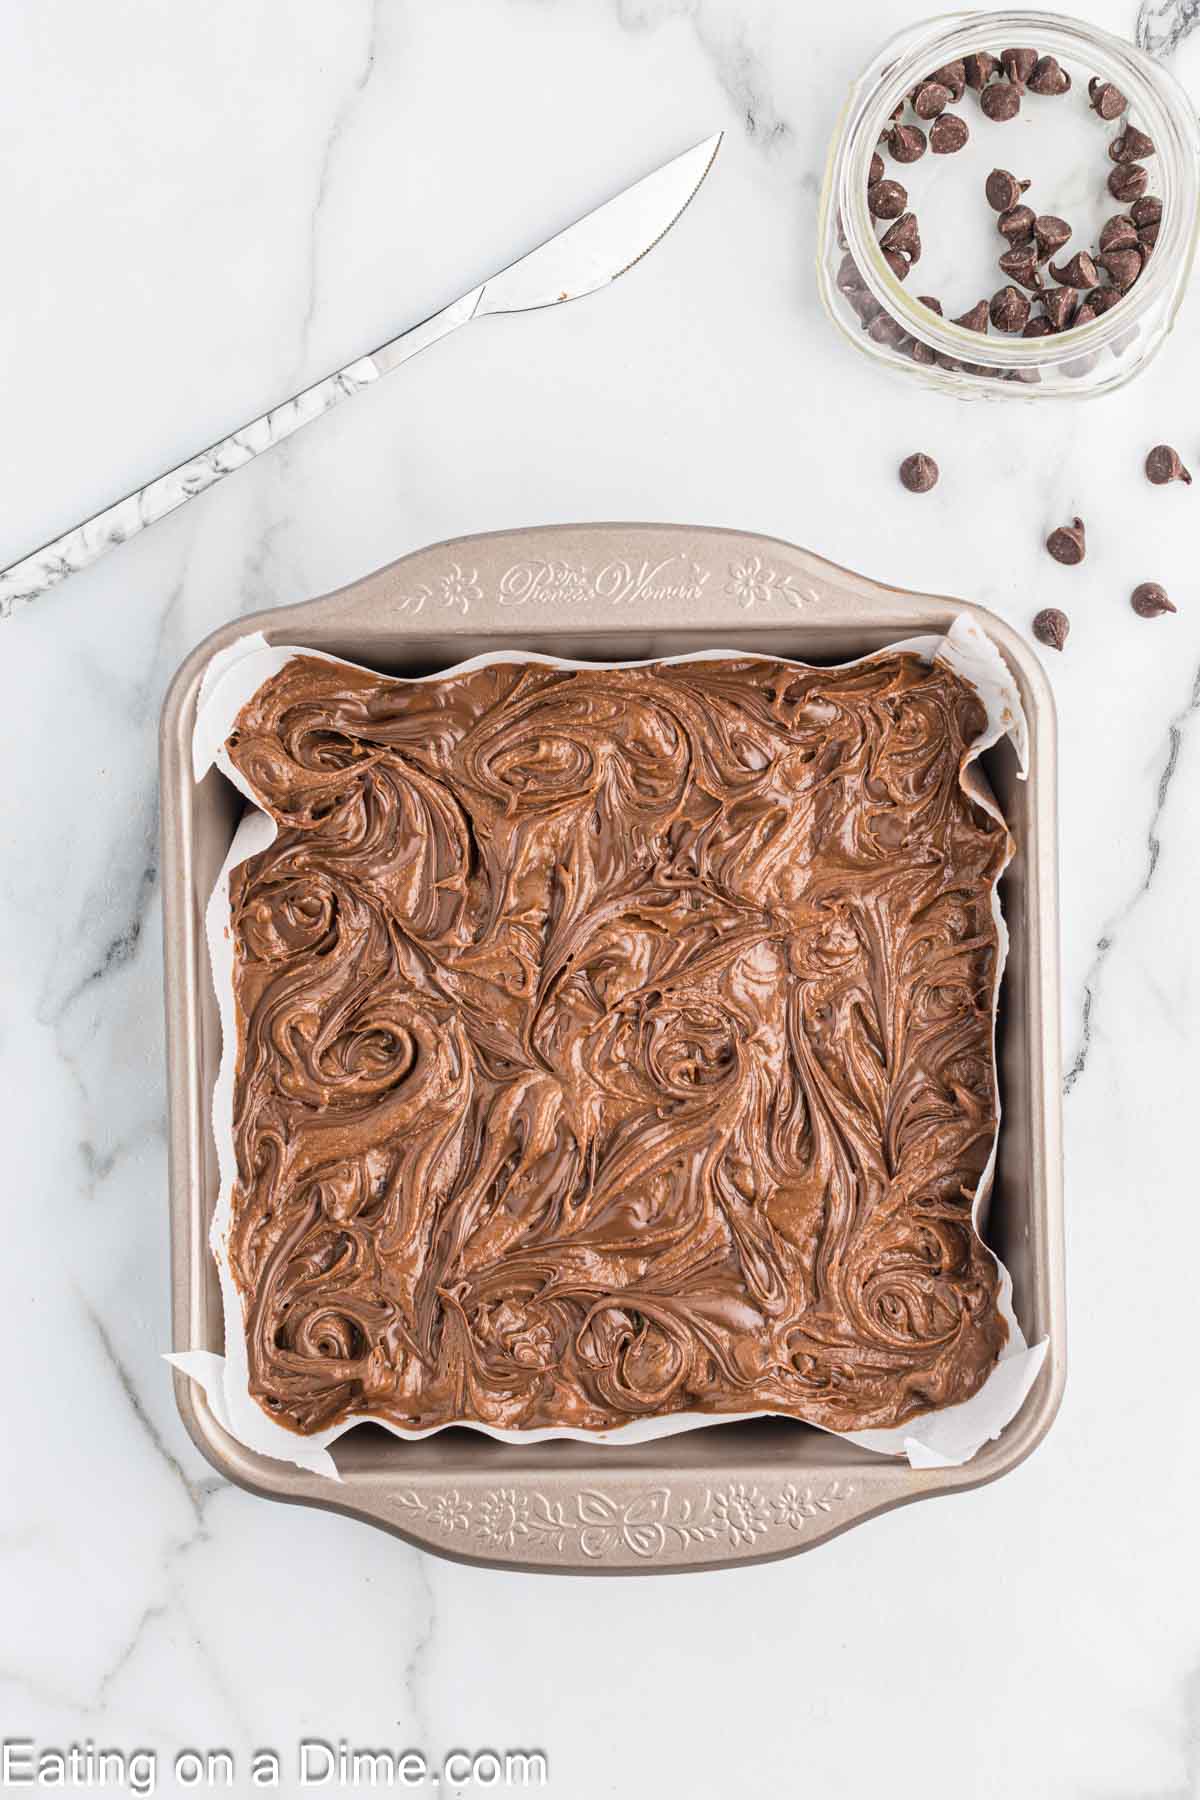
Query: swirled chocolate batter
{"x": 614, "y": 1043}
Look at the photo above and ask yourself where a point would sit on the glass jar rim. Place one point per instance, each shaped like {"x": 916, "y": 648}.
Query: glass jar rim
{"x": 1154, "y": 95}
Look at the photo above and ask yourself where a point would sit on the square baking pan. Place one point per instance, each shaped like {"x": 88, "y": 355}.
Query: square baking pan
{"x": 724, "y": 1494}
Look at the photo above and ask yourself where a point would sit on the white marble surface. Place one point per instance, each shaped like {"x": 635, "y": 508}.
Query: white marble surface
{"x": 206, "y": 208}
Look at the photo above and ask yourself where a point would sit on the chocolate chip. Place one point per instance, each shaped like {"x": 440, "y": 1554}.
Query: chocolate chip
{"x": 1016, "y": 225}
{"x": 920, "y": 353}
{"x": 1132, "y": 146}
{"x": 948, "y": 134}
{"x": 1051, "y": 233}
{"x": 1037, "y": 328}
{"x": 932, "y": 302}
{"x": 919, "y": 473}
{"x": 953, "y": 77}
{"x": 1059, "y": 304}
{"x": 979, "y": 69}
{"x": 1018, "y": 65}
{"x": 849, "y": 275}
{"x": 1020, "y": 265}
{"x": 1049, "y": 77}
{"x": 1080, "y": 272}
{"x": 906, "y": 143}
{"x": 1165, "y": 464}
{"x": 1118, "y": 233}
{"x": 1149, "y": 601}
{"x": 1009, "y": 310}
{"x": 886, "y": 199}
{"x": 974, "y": 320}
{"x": 1067, "y": 543}
{"x": 1003, "y": 190}
{"x": 883, "y": 329}
{"x": 1148, "y": 237}
{"x": 864, "y": 304}
{"x": 905, "y": 237}
{"x": 1147, "y": 211}
{"x": 1084, "y": 316}
{"x": 877, "y": 171}
{"x": 897, "y": 264}
{"x": 1103, "y": 299}
{"x": 1127, "y": 181}
{"x": 1000, "y": 102}
{"x": 1123, "y": 266}
{"x": 1050, "y": 627}
{"x": 930, "y": 99}
{"x": 1106, "y": 100}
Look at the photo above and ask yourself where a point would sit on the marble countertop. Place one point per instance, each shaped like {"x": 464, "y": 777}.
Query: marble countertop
{"x": 208, "y": 207}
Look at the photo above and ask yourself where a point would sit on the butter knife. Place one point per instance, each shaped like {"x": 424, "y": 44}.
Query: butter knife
{"x": 586, "y": 256}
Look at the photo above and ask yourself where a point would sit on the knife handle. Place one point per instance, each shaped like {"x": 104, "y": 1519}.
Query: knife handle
{"x": 34, "y": 575}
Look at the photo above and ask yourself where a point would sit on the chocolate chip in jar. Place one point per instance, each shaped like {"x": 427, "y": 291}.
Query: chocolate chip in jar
{"x": 1122, "y": 266}
{"x": 1068, "y": 543}
{"x": 877, "y": 171}
{"x": 904, "y": 236}
{"x": 906, "y": 143}
{"x": 1010, "y": 309}
{"x": 1164, "y": 464}
{"x": 1149, "y": 600}
{"x": 1118, "y": 233}
{"x": 953, "y": 77}
{"x": 919, "y": 473}
{"x": 1131, "y": 146}
{"x": 1038, "y": 328}
{"x": 948, "y": 134}
{"x": 1003, "y": 190}
{"x": 930, "y": 99}
{"x": 1016, "y": 225}
{"x": 887, "y": 199}
{"x": 1059, "y": 305}
{"x": 1106, "y": 99}
{"x": 1146, "y": 211}
{"x": 979, "y": 69}
{"x": 898, "y": 264}
{"x": 975, "y": 319}
{"x": 1051, "y": 626}
{"x": 1018, "y": 65}
{"x": 1080, "y": 272}
{"x": 1128, "y": 181}
{"x": 1049, "y": 77}
{"x": 1021, "y": 266}
{"x": 1051, "y": 234}
{"x": 1000, "y": 102}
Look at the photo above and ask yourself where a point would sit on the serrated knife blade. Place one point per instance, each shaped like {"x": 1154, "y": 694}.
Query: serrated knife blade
{"x": 587, "y": 255}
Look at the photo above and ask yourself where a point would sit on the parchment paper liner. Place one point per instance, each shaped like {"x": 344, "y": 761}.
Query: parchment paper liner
{"x": 940, "y": 1439}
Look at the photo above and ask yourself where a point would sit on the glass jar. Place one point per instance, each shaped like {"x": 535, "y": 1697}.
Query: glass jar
{"x": 908, "y": 336}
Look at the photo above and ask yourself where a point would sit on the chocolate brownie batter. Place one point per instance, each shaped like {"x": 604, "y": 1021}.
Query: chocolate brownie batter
{"x": 614, "y": 1043}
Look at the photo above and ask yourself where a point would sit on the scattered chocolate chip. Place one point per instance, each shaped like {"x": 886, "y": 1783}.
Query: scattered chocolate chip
{"x": 1018, "y": 65}
{"x": 886, "y": 199}
{"x": 919, "y": 473}
{"x": 1165, "y": 464}
{"x": 897, "y": 264}
{"x": 1000, "y": 102}
{"x": 1049, "y": 77}
{"x": 1149, "y": 601}
{"x": 1009, "y": 310}
{"x": 905, "y": 237}
{"x": 1067, "y": 543}
{"x": 1103, "y": 299}
{"x": 953, "y": 77}
{"x": 1106, "y": 100}
{"x": 974, "y": 320}
{"x": 877, "y": 170}
{"x": 948, "y": 134}
{"x": 906, "y": 143}
{"x": 1003, "y": 190}
{"x": 1021, "y": 265}
{"x": 1127, "y": 181}
{"x": 1148, "y": 237}
{"x": 1146, "y": 211}
{"x": 1051, "y": 627}
{"x": 979, "y": 69}
{"x": 1059, "y": 304}
{"x": 930, "y": 99}
{"x": 1080, "y": 272}
{"x": 1051, "y": 233}
{"x": 1123, "y": 266}
{"x": 1016, "y": 225}
{"x": 1037, "y": 328}
{"x": 932, "y": 302}
{"x": 1118, "y": 233}
{"x": 1132, "y": 146}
